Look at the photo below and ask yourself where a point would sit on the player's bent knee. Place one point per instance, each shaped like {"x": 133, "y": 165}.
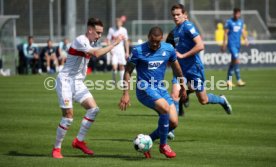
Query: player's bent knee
{"x": 65, "y": 123}
{"x": 203, "y": 101}
{"x": 174, "y": 124}
{"x": 92, "y": 113}
{"x": 67, "y": 112}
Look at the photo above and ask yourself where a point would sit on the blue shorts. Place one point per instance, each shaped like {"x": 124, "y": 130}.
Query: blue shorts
{"x": 234, "y": 52}
{"x": 149, "y": 96}
{"x": 195, "y": 76}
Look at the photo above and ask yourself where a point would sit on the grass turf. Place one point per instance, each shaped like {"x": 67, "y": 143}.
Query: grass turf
{"x": 206, "y": 136}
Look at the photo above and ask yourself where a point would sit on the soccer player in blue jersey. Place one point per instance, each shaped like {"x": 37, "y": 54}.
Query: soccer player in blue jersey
{"x": 232, "y": 36}
{"x": 188, "y": 44}
{"x": 150, "y": 60}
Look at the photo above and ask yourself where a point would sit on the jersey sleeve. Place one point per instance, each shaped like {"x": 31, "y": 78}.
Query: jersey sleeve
{"x": 134, "y": 56}
{"x": 227, "y": 24}
{"x": 82, "y": 44}
{"x": 172, "y": 54}
{"x": 192, "y": 31}
{"x": 25, "y": 47}
{"x": 242, "y": 24}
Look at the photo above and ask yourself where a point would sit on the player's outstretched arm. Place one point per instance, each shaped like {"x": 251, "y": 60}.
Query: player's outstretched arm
{"x": 125, "y": 99}
{"x": 101, "y": 51}
{"x": 178, "y": 72}
{"x": 199, "y": 46}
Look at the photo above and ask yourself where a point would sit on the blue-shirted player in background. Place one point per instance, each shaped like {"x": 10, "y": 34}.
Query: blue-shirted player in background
{"x": 150, "y": 60}
{"x": 233, "y": 32}
{"x": 188, "y": 44}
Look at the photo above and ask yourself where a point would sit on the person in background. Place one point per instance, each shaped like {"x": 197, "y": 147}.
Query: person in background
{"x": 62, "y": 51}
{"x": 121, "y": 52}
{"x": 232, "y": 37}
{"x": 49, "y": 53}
{"x": 31, "y": 58}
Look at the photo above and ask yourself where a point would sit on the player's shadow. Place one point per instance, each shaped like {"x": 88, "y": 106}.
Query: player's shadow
{"x": 137, "y": 115}
{"x": 119, "y": 140}
{"x": 17, "y": 154}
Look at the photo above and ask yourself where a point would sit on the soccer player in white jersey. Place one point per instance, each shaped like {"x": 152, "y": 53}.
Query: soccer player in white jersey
{"x": 121, "y": 52}
{"x": 70, "y": 86}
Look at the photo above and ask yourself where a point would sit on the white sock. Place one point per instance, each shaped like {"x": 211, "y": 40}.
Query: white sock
{"x": 60, "y": 67}
{"x": 122, "y": 75}
{"x": 61, "y": 130}
{"x": 86, "y": 123}
{"x": 114, "y": 73}
{"x": 56, "y": 66}
{"x": 48, "y": 68}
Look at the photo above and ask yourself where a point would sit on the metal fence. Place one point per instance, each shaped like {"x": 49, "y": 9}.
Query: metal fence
{"x": 50, "y": 18}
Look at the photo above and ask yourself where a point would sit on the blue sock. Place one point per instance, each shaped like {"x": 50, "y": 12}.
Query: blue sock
{"x": 154, "y": 135}
{"x": 176, "y": 103}
{"x": 230, "y": 72}
{"x": 163, "y": 126}
{"x": 237, "y": 71}
{"x": 213, "y": 99}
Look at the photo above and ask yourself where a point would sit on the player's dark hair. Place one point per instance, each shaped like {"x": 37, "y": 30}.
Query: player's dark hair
{"x": 236, "y": 10}
{"x": 155, "y": 31}
{"x": 178, "y": 6}
{"x": 30, "y": 37}
{"x": 94, "y": 22}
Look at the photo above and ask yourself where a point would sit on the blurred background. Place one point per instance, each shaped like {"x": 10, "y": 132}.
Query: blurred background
{"x": 60, "y": 19}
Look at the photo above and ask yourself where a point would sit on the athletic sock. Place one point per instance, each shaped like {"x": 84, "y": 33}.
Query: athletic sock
{"x": 122, "y": 74}
{"x": 176, "y": 103}
{"x": 230, "y": 72}
{"x": 86, "y": 123}
{"x": 121, "y": 77}
{"x": 62, "y": 130}
{"x": 154, "y": 135}
{"x": 213, "y": 99}
{"x": 237, "y": 71}
{"x": 163, "y": 126}
{"x": 114, "y": 73}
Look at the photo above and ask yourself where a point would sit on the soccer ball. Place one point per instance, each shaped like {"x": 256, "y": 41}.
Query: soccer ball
{"x": 142, "y": 143}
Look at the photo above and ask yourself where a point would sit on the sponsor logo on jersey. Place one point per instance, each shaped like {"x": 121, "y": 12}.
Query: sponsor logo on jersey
{"x": 164, "y": 53}
{"x": 192, "y": 30}
{"x": 152, "y": 65}
{"x": 66, "y": 102}
{"x": 236, "y": 28}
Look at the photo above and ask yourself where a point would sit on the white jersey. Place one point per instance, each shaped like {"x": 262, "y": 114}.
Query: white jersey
{"x": 113, "y": 32}
{"x": 77, "y": 60}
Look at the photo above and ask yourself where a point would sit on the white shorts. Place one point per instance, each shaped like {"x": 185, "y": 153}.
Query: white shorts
{"x": 118, "y": 57}
{"x": 69, "y": 89}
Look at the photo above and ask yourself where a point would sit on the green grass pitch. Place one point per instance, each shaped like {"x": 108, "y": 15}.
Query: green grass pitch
{"x": 206, "y": 136}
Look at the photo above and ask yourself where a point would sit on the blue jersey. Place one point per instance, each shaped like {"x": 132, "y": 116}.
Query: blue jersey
{"x": 235, "y": 28}
{"x": 183, "y": 38}
{"x": 152, "y": 64}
